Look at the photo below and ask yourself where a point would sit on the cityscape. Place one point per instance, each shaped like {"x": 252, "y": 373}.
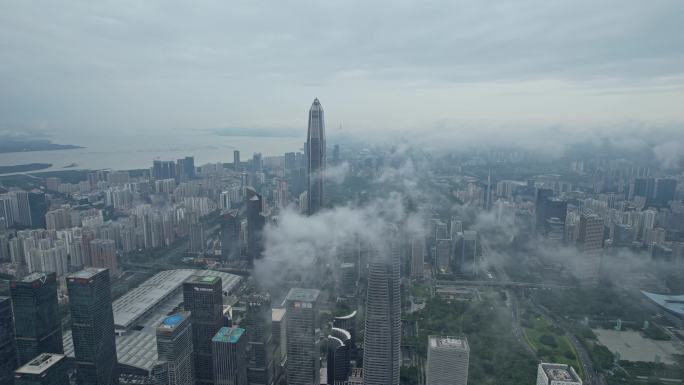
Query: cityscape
{"x": 483, "y": 252}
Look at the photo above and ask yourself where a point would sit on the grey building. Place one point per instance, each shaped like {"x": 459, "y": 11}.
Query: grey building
{"x": 92, "y": 327}
{"x": 339, "y": 355}
{"x": 203, "y": 298}
{"x": 230, "y": 236}
{"x": 8, "y": 352}
{"x": 45, "y": 369}
{"x": 348, "y": 322}
{"x": 447, "y": 361}
{"x": 315, "y": 146}
{"x": 174, "y": 351}
{"x": 258, "y": 322}
{"x": 557, "y": 374}
{"x": 229, "y": 355}
{"x": 302, "y": 341}
{"x": 38, "y": 327}
{"x": 382, "y": 342}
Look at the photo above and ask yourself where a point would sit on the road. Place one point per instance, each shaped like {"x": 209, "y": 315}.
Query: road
{"x": 591, "y": 376}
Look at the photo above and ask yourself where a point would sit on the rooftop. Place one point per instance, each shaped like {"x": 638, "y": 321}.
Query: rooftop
{"x": 304, "y": 295}
{"x": 206, "y": 279}
{"x": 40, "y": 364}
{"x": 278, "y": 314}
{"x": 87, "y": 273}
{"x": 172, "y": 321}
{"x": 560, "y": 372}
{"x": 348, "y": 316}
{"x": 447, "y": 342}
{"x": 33, "y": 277}
{"x": 672, "y": 303}
{"x": 226, "y": 334}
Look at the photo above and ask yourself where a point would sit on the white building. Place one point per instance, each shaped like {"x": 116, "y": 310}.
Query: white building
{"x": 557, "y": 374}
{"x": 447, "y": 362}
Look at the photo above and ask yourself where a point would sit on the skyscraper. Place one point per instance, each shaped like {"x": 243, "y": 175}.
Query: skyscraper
{"x": 417, "y": 257}
{"x": 236, "y": 160}
{"x": 382, "y": 342}
{"x": 255, "y": 224}
{"x": 447, "y": 361}
{"x": 8, "y": 352}
{"x": 258, "y": 324}
{"x": 315, "y": 145}
{"x": 203, "y": 298}
{"x": 36, "y": 315}
{"x": 302, "y": 348}
{"x": 590, "y": 238}
{"x": 348, "y": 323}
{"x": 229, "y": 355}
{"x": 174, "y": 350}
{"x": 230, "y": 236}
{"x": 92, "y": 327}
{"x": 339, "y": 355}
{"x": 45, "y": 369}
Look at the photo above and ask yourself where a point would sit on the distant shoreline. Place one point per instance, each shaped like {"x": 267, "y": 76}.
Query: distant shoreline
{"x": 51, "y": 147}
{"x": 24, "y": 167}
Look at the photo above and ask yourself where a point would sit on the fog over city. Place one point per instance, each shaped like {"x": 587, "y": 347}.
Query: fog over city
{"x": 342, "y": 192}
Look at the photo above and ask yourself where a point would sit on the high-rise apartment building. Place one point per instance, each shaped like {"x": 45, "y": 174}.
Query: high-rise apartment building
{"x": 447, "y": 361}
{"x": 103, "y": 255}
{"x": 229, "y": 347}
{"x": 36, "y": 315}
{"x": 45, "y": 369}
{"x": 302, "y": 341}
{"x": 315, "y": 146}
{"x": 203, "y": 298}
{"x": 92, "y": 327}
{"x": 557, "y": 374}
{"x": 382, "y": 341}
{"x": 174, "y": 350}
{"x": 8, "y": 352}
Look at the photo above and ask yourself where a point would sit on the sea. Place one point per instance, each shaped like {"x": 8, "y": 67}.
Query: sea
{"x": 137, "y": 151}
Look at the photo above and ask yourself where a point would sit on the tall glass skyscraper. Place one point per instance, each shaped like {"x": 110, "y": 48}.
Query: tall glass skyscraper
{"x": 203, "y": 298}
{"x": 229, "y": 347}
{"x": 36, "y": 314}
{"x": 258, "y": 325}
{"x": 8, "y": 352}
{"x": 174, "y": 350}
{"x": 92, "y": 327}
{"x": 302, "y": 347}
{"x": 315, "y": 146}
{"x": 382, "y": 343}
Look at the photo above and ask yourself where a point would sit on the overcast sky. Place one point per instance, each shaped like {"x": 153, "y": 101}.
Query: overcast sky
{"x": 72, "y": 66}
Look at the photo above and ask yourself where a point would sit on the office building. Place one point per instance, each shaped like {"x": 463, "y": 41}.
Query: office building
{"x": 255, "y": 225}
{"x": 230, "y": 236}
{"x": 174, "y": 350}
{"x": 36, "y": 315}
{"x": 236, "y": 160}
{"x": 302, "y": 341}
{"x": 339, "y": 355}
{"x": 258, "y": 324}
{"x": 45, "y": 369}
{"x": 279, "y": 335}
{"x": 557, "y": 374}
{"x": 92, "y": 327}
{"x": 8, "y": 352}
{"x": 447, "y": 361}
{"x": 382, "y": 342}
{"x": 348, "y": 322}
{"x": 315, "y": 146}
{"x": 469, "y": 252}
{"x": 590, "y": 236}
{"x": 417, "y": 257}
{"x": 346, "y": 279}
{"x": 203, "y": 298}
{"x": 229, "y": 347}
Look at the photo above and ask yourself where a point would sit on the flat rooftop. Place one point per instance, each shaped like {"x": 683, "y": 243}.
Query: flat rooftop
{"x": 33, "y": 277}
{"x": 136, "y": 346}
{"x": 278, "y": 314}
{"x": 172, "y": 321}
{"x": 40, "y": 364}
{"x": 447, "y": 342}
{"x": 560, "y": 372}
{"x": 87, "y": 273}
{"x": 672, "y": 303}
{"x": 226, "y": 334}
{"x": 304, "y": 295}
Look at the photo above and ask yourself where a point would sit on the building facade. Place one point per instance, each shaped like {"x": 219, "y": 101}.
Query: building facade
{"x": 315, "y": 146}
{"x": 447, "y": 361}
{"x": 302, "y": 342}
{"x": 229, "y": 347}
{"x": 8, "y": 352}
{"x": 174, "y": 350}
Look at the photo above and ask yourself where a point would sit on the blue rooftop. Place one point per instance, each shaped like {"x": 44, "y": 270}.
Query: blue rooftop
{"x": 226, "y": 334}
{"x": 173, "y": 320}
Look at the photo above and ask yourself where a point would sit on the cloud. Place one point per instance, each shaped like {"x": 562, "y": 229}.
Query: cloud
{"x": 670, "y": 154}
{"x": 337, "y": 173}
